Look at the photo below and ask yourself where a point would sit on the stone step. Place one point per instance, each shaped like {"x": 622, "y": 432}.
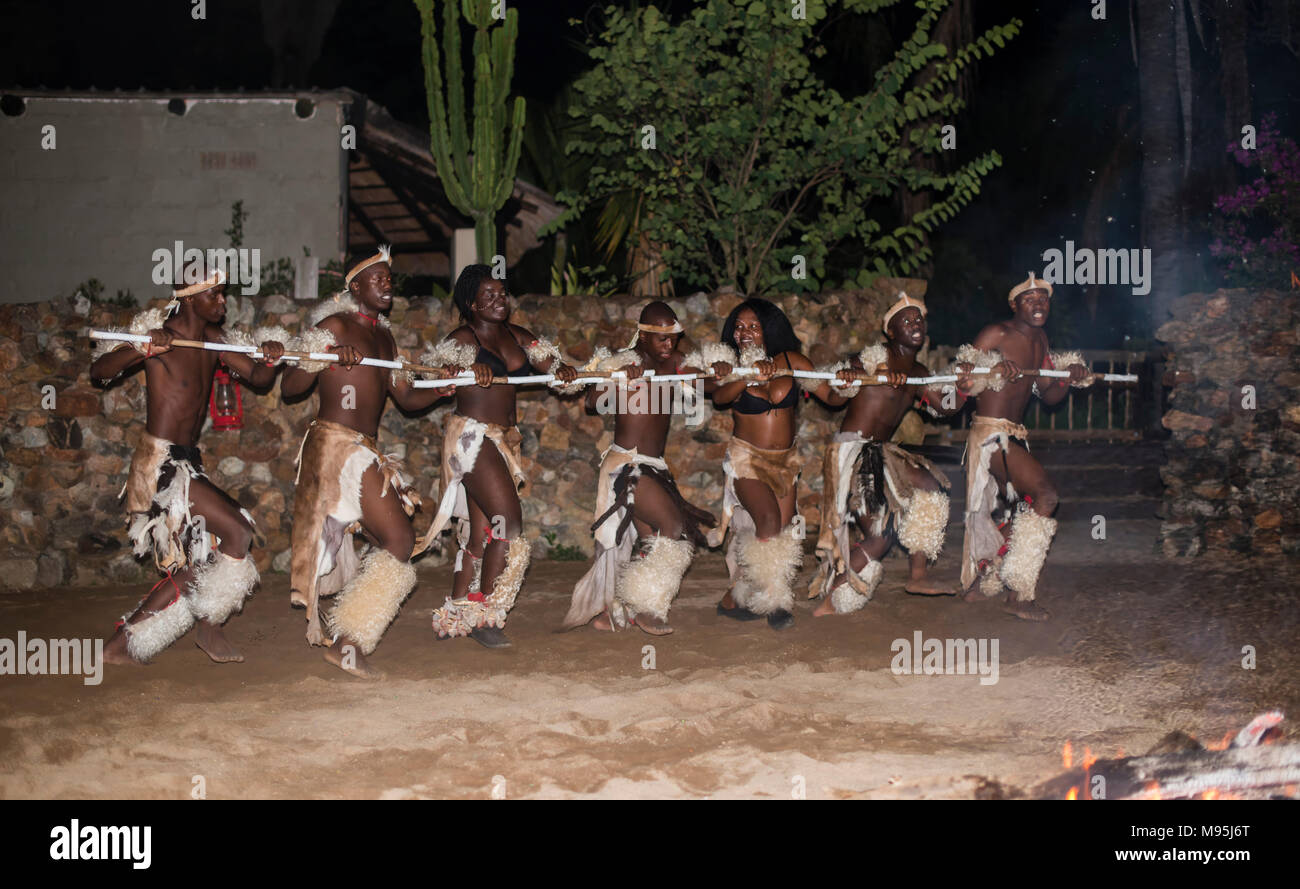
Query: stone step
{"x": 1098, "y": 471}
{"x": 1083, "y": 510}
{"x": 1093, "y": 481}
{"x": 1141, "y": 453}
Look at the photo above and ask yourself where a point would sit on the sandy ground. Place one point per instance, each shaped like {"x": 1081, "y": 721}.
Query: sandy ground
{"x": 1136, "y": 647}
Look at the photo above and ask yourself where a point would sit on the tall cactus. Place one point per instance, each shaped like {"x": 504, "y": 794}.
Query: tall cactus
{"x": 478, "y": 170}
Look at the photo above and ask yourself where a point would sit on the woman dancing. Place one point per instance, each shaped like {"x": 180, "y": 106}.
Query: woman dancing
{"x": 480, "y": 485}
{"x": 762, "y": 465}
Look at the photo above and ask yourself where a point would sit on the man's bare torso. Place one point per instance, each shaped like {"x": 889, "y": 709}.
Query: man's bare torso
{"x": 355, "y": 397}
{"x": 177, "y": 386}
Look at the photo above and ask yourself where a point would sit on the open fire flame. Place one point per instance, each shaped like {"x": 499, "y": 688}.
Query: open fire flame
{"x": 1261, "y": 726}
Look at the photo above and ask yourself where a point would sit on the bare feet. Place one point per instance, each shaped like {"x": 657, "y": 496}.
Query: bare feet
{"x": 115, "y": 651}
{"x": 297, "y": 599}
{"x": 347, "y": 657}
{"x": 602, "y": 622}
{"x": 926, "y": 586}
{"x": 824, "y": 607}
{"x": 974, "y": 593}
{"x": 652, "y": 625}
{"x": 208, "y": 636}
{"x": 1024, "y": 610}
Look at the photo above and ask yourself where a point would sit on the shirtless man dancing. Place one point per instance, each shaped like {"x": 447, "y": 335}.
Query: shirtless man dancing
{"x": 173, "y": 507}
{"x": 635, "y": 577}
{"x": 998, "y": 461}
{"x": 867, "y": 479}
{"x": 344, "y": 482}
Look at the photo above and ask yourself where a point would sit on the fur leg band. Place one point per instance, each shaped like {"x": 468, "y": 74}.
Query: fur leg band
{"x": 770, "y": 566}
{"x": 146, "y": 638}
{"x": 460, "y": 616}
{"x": 220, "y": 587}
{"x": 923, "y": 523}
{"x": 846, "y": 599}
{"x": 371, "y": 599}
{"x": 1031, "y": 535}
{"x": 648, "y": 585}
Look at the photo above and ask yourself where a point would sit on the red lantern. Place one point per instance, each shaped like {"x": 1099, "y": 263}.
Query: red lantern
{"x": 226, "y": 402}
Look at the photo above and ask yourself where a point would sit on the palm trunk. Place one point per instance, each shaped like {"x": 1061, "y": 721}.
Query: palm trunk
{"x": 645, "y": 263}
{"x": 1234, "y": 75}
{"x": 1161, "y": 182}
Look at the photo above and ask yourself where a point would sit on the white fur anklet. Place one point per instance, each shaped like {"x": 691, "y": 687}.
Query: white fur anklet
{"x": 649, "y": 584}
{"x": 371, "y": 599}
{"x": 845, "y": 599}
{"x": 771, "y": 566}
{"x": 147, "y": 638}
{"x": 921, "y": 527}
{"x": 1031, "y": 537}
{"x": 220, "y": 587}
{"x": 460, "y": 617}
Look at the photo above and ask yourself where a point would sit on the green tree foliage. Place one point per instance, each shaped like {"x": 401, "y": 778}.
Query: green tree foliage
{"x": 476, "y": 163}
{"x": 756, "y": 159}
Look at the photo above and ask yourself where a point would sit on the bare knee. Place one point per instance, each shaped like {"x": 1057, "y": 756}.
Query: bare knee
{"x": 399, "y": 542}
{"x": 238, "y": 540}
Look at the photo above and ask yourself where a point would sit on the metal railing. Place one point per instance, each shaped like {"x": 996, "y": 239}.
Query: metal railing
{"x": 1102, "y": 412}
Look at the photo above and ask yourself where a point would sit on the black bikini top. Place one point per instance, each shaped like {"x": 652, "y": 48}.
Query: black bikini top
{"x": 749, "y": 403}
{"x": 492, "y": 360}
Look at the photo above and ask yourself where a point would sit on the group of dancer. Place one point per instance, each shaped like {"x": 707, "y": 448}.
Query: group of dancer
{"x": 646, "y": 534}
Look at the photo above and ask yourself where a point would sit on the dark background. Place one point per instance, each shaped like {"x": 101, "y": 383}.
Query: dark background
{"x": 1060, "y": 104}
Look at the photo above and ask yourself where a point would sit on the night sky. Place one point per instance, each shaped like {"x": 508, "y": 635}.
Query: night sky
{"x": 1060, "y": 104}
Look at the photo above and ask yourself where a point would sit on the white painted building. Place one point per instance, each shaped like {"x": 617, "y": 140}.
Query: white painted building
{"x": 95, "y": 183}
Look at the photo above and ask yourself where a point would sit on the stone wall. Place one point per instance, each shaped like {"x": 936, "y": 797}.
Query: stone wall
{"x": 64, "y": 459}
{"x": 1232, "y": 472}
